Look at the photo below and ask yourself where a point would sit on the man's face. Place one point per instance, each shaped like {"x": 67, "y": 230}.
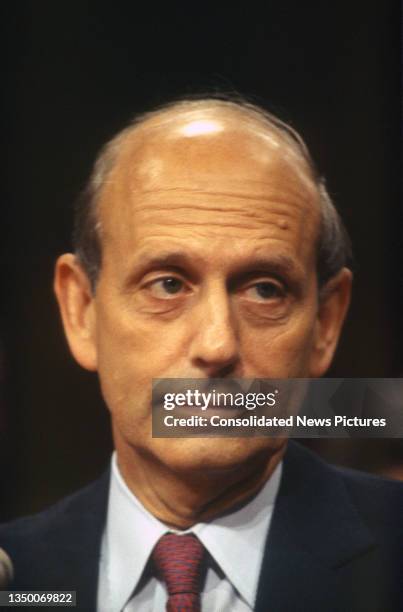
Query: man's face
{"x": 208, "y": 270}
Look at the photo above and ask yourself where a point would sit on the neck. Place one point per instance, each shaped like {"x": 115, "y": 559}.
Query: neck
{"x": 182, "y": 499}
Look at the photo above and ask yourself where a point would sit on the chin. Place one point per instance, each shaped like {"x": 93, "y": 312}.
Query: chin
{"x": 215, "y": 454}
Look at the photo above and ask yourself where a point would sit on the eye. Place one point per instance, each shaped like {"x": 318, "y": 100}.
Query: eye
{"x": 166, "y": 287}
{"x": 265, "y": 290}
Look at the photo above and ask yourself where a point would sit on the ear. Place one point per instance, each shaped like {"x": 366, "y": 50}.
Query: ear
{"x": 334, "y": 300}
{"x": 76, "y": 303}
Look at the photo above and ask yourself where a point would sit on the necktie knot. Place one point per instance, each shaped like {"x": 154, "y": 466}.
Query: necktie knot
{"x": 178, "y": 559}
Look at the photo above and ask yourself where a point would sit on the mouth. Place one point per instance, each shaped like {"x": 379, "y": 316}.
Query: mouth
{"x": 207, "y": 398}
{"x": 198, "y": 396}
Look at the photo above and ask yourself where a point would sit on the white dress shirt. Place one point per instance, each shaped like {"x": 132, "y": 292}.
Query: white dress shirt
{"x": 235, "y": 542}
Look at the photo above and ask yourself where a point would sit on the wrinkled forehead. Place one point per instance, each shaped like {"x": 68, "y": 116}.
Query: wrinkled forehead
{"x": 204, "y": 151}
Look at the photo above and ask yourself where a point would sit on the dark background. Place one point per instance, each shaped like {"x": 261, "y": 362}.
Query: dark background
{"x": 75, "y": 73}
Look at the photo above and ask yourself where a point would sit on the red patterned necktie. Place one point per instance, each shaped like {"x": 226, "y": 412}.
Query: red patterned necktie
{"x": 178, "y": 559}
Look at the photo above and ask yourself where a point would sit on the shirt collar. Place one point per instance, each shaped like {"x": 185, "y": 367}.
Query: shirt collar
{"x": 236, "y": 541}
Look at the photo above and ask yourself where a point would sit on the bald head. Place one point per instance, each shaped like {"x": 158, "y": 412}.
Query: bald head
{"x": 187, "y": 142}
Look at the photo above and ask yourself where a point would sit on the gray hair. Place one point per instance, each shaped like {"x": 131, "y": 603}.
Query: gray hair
{"x": 333, "y": 248}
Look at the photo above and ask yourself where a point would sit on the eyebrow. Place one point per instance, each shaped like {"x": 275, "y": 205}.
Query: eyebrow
{"x": 167, "y": 259}
{"x": 147, "y": 262}
{"x": 281, "y": 266}
{"x": 278, "y": 265}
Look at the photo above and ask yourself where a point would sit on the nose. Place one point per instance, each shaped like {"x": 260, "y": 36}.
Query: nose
{"x": 214, "y": 347}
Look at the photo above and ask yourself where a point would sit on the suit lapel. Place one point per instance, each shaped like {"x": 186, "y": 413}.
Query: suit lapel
{"x": 315, "y": 529}
{"x": 73, "y": 564}
{"x": 315, "y": 532}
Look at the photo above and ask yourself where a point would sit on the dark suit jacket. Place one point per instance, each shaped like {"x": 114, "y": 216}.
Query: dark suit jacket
{"x": 335, "y": 543}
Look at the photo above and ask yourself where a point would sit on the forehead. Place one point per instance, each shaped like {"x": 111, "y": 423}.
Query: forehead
{"x": 203, "y": 177}
{"x": 191, "y": 144}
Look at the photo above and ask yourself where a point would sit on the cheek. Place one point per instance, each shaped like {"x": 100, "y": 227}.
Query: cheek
{"x": 130, "y": 352}
{"x": 280, "y": 351}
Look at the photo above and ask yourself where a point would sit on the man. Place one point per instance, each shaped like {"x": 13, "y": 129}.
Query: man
{"x": 207, "y": 247}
